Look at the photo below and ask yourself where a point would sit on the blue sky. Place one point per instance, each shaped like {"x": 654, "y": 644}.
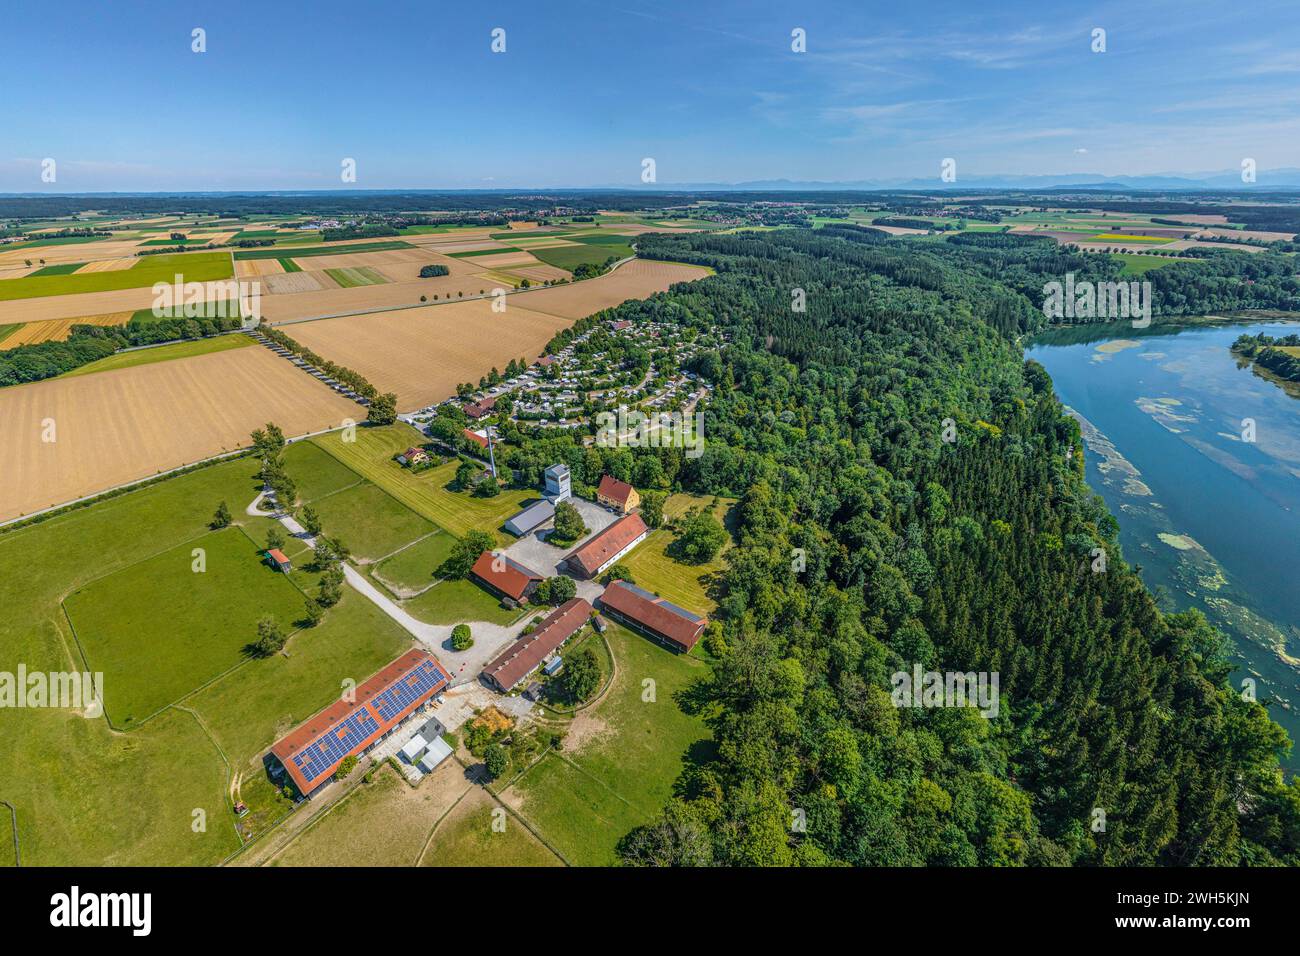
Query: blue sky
{"x": 585, "y": 90}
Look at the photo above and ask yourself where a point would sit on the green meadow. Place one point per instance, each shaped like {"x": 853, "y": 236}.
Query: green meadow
{"x": 584, "y": 799}
{"x": 192, "y": 267}
{"x": 194, "y": 619}
{"x": 88, "y": 796}
{"x": 570, "y": 257}
{"x": 356, "y": 276}
{"x": 162, "y": 353}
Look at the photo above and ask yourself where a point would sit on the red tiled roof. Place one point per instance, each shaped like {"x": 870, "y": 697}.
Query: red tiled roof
{"x": 313, "y": 750}
{"x": 278, "y": 556}
{"x": 479, "y": 440}
{"x": 654, "y": 613}
{"x": 509, "y": 577}
{"x": 608, "y": 543}
{"x": 610, "y": 487}
{"x": 479, "y": 409}
{"x": 518, "y": 660}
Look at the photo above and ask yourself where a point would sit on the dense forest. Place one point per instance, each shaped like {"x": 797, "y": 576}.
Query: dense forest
{"x": 912, "y": 494}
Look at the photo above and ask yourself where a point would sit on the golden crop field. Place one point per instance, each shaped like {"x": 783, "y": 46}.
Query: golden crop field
{"x": 77, "y": 304}
{"x": 114, "y": 427}
{"x": 637, "y": 279}
{"x": 59, "y": 329}
{"x": 423, "y": 353}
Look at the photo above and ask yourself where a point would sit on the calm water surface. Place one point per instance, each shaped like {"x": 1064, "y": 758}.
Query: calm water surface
{"x": 1211, "y": 516}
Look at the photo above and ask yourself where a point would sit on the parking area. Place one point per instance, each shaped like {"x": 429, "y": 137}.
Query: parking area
{"x": 533, "y": 552}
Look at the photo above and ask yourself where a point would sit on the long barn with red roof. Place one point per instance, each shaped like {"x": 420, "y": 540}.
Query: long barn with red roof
{"x": 313, "y": 751}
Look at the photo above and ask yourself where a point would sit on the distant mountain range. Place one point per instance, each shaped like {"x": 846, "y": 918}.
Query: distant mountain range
{"x": 1265, "y": 179}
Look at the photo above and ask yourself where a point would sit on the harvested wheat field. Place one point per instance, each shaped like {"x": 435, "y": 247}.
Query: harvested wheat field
{"x": 456, "y": 235}
{"x": 108, "y": 265}
{"x": 59, "y": 329}
{"x": 470, "y": 246}
{"x": 254, "y": 268}
{"x": 93, "y": 303}
{"x": 119, "y": 426}
{"x": 394, "y": 295}
{"x": 288, "y": 283}
{"x": 539, "y": 272}
{"x": 506, "y": 259}
{"x": 422, "y": 354}
{"x": 72, "y": 252}
{"x": 637, "y": 279}
{"x": 353, "y": 260}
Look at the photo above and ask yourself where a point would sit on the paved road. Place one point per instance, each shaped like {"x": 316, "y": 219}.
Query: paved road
{"x": 463, "y": 666}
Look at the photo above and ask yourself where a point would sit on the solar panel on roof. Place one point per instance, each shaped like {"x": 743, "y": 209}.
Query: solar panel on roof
{"x": 322, "y": 755}
{"x": 678, "y": 610}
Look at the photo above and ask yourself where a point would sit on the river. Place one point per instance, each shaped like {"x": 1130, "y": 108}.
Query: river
{"x": 1198, "y": 457}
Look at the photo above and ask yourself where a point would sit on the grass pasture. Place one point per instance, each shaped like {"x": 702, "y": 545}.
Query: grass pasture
{"x": 192, "y": 267}
{"x": 412, "y": 569}
{"x": 465, "y": 838}
{"x": 356, "y": 276}
{"x": 458, "y": 601}
{"x": 570, "y": 257}
{"x": 385, "y": 822}
{"x": 158, "y": 630}
{"x": 425, "y": 492}
{"x": 162, "y": 353}
{"x": 370, "y": 521}
{"x": 316, "y": 472}
{"x": 686, "y": 585}
{"x": 91, "y": 797}
{"x": 621, "y": 756}
{"x": 1136, "y": 264}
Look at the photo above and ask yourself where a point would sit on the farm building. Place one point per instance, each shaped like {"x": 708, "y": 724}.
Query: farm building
{"x": 652, "y": 616}
{"x": 279, "y": 561}
{"x": 477, "y": 410}
{"x": 558, "y": 483}
{"x": 524, "y": 656}
{"x": 413, "y": 456}
{"x": 505, "y": 577}
{"x": 478, "y": 438}
{"x": 427, "y": 749}
{"x": 534, "y": 516}
{"x": 603, "y": 549}
{"x": 312, "y": 752}
{"x": 618, "y": 495}
{"x": 439, "y": 750}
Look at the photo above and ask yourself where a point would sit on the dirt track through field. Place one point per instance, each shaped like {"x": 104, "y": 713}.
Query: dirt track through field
{"x": 119, "y": 426}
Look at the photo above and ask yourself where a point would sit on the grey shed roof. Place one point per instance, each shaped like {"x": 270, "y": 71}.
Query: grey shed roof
{"x": 531, "y": 517}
